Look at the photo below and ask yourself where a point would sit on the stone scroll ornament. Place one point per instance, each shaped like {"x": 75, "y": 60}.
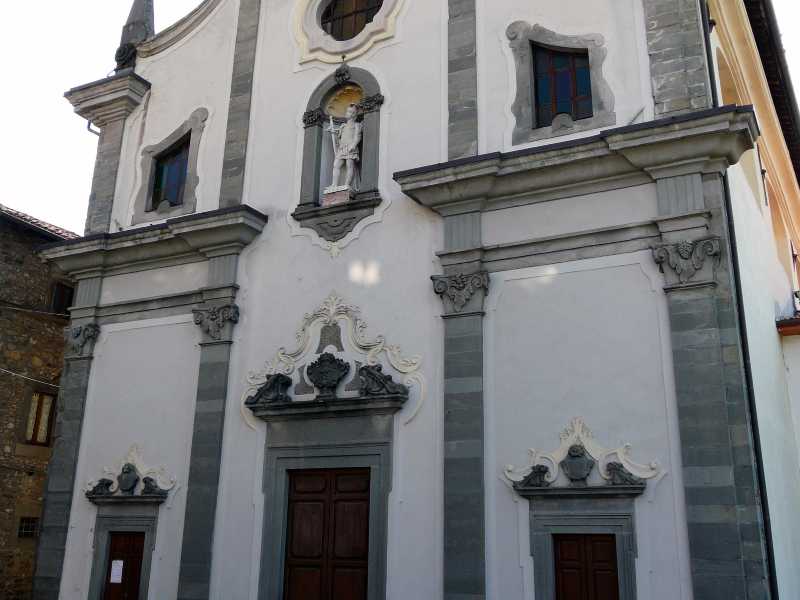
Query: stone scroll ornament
{"x": 686, "y": 258}
{"x": 131, "y": 481}
{"x": 576, "y": 458}
{"x": 278, "y": 375}
{"x": 460, "y": 288}
{"x": 81, "y": 339}
{"x": 213, "y": 320}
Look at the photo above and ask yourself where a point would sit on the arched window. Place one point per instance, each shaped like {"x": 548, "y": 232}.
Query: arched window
{"x": 345, "y": 19}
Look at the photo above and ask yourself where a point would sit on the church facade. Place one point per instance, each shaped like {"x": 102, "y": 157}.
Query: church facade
{"x": 408, "y": 299}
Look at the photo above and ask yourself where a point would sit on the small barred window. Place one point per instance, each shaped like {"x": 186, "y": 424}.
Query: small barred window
{"x": 28, "y": 527}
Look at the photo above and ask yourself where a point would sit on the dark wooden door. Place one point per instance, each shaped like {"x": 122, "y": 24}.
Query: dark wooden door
{"x": 124, "y": 572}
{"x": 327, "y": 541}
{"x": 586, "y": 567}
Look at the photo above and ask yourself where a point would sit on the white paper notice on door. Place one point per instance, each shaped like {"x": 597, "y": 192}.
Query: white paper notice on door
{"x": 116, "y": 571}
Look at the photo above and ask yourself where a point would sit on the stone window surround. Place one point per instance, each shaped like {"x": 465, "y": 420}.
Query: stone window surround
{"x": 143, "y": 212}
{"x": 376, "y": 457}
{"x": 131, "y": 518}
{"x": 584, "y": 515}
{"x": 521, "y": 37}
{"x": 333, "y": 223}
{"x": 318, "y": 44}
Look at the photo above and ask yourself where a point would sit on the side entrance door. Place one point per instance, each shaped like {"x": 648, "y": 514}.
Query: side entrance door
{"x": 586, "y": 567}
{"x": 124, "y": 572}
{"x": 327, "y": 541}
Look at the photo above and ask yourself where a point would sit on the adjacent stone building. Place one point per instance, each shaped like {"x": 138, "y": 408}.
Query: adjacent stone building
{"x": 407, "y": 299}
{"x": 33, "y": 314}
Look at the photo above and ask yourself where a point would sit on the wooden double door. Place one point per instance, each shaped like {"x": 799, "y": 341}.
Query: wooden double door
{"x": 586, "y": 567}
{"x": 327, "y": 541}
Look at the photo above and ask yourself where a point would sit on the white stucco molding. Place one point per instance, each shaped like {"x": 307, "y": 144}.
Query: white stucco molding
{"x": 315, "y": 44}
{"x": 578, "y": 434}
{"x": 179, "y": 30}
{"x": 335, "y": 310}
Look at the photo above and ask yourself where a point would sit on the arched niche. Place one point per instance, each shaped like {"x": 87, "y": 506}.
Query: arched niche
{"x": 347, "y": 85}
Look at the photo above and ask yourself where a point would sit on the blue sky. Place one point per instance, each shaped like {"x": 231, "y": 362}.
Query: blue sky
{"x": 48, "y": 155}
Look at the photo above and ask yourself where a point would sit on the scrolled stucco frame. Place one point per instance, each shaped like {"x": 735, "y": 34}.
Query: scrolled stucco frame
{"x": 142, "y": 211}
{"x": 521, "y": 36}
{"x": 315, "y": 44}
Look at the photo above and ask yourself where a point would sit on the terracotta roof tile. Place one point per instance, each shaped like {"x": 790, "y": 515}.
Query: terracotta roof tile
{"x": 38, "y": 224}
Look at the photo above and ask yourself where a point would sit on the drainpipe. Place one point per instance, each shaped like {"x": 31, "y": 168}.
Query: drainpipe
{"x": 748, "y": 372}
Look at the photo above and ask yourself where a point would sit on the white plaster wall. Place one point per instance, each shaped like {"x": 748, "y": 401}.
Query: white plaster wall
{"x": 385, "y": 270}
{"x": 586, "y": 339}
{"x": 141, "y": 391}
{"x": 154, "y": 282}
{"x": 626, "y": 69}
{"x": 570, "y": 215}
{"x": 194, "y": 73}
{"x": 767, "y": 294}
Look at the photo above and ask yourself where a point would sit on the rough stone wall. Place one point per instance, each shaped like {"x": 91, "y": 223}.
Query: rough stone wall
{"x": 30, "y": 344}
{"x": 676, "y": 46}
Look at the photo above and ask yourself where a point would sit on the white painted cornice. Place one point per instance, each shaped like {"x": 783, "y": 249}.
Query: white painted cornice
{"x": 708, "y": 141}
{"x": 110, "y": 99}
{"x": 199, "y": 236}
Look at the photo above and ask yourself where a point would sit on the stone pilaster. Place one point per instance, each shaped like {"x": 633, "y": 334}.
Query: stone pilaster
{"x": 676, "y": 46}
{"x": 463, "y": 289}
{"x": 106, "y": 104}
{"x": 726, "y": 529}
{"x": 462, "y": 77}
{"x": 59, "y": 490}
{"x": 238, "y": 134}
{"x": 216, "y": 320}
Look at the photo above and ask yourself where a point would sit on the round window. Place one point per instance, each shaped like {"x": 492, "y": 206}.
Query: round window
{"x": 345, "y": 19}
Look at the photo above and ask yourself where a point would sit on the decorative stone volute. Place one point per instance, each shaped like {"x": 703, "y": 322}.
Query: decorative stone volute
{"x": 217, "y": 321}
{"x": 462, "y": 292}
{"x": 326, "y": 374}
{"x": 81, "y": 340}
{"x": 133, "y": 483}
{"x": 681, "y": 262}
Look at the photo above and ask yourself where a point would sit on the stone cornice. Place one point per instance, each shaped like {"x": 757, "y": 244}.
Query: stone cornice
{"x": 110, "y": 99}
{"x": 705, "y": 141}
{"x": 201, "y": 236}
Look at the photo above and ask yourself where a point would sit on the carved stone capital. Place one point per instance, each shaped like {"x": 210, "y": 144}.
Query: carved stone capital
{"x": 370, "y": 104}
{"x": 214, "y": 321}
{"x": 313, "y": 118}
{"x": 684, "y": 260}
{"x": 460, "y": 291}
{"x": 81, "y": 340}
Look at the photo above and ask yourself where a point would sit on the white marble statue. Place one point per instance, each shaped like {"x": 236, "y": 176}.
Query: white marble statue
{"x": 346, "y": 141}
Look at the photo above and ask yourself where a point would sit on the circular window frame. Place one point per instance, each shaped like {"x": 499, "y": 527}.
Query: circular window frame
{"x": 316, "y": 44}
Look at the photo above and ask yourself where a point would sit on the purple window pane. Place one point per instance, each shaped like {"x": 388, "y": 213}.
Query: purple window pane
{"x": 584, "y": 82}
{"x": 543, "y": 91}
{"x": 584, "y": 108}
{"x": 564, "y": 87}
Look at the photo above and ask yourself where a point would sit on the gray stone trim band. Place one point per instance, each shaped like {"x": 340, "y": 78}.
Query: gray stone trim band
{"x": 143, "y": 210}
{"x": 522, "y": 36}
{"x": 61, "y": 478}
{"x": 462, "y": 79}
{"x": 727, "y": 538}
{"x": 204, "y": 468}
{"x": 552, "y": 516}
{"x": 676, "y": 46}
{"x": 238, "y": 134}
{"x": 141, "y": 518}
